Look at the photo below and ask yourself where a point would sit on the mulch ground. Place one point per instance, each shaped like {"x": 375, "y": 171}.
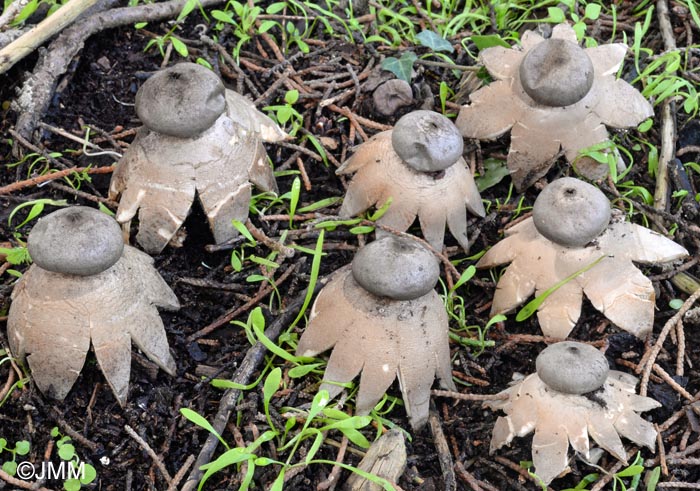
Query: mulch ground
{"x": 335, "y": 80}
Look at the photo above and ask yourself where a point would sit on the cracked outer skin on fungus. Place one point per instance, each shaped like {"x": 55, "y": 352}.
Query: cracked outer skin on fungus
{"x": 55, "y": 317}
{"x": 559, "y": 419}
{"x": 435, "y": 198}
{"x": 159, "y": 175}
{"x": 538, "y": 131}
{"x": 382, "y": 339}
{"x": 615, "y": 286}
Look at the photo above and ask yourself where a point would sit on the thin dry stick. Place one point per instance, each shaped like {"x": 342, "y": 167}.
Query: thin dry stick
{"x": 151, "y": 453}
{"x": 668, "y": 123}
{"x": 468, "y": 397}
{"x": 181, "y": 473}
{"x": 233, "y": 313}
{"x": 662, "y": 450}
{"x": 29, "y": 41}
{"x": 18, "y": 483}
{"x": 332, "y": 479}
{"x": 34, "y": 181}
{"x": 649, "y": 358}
{"x": 443, "y": 449}
{"x": 467, "y": 476}
{"x": 674, "y": 385}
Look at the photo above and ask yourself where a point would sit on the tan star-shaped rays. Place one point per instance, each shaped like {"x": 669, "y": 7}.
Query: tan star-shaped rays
{"x": 539, "y": 131}
{"x": 615, "y": 286}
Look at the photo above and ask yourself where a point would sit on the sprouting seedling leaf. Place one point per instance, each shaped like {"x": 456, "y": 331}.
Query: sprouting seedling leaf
{"x": 466, "y": 276}
{"x": 243, "y": 230}
{"x": 401, "y": 67}
{"x": 200, "y": 421}
{"x": 37, "y": 206}
{"x": 494, "y": 172}
{"x": 489, "y": 41}
{"x": 532, "y": 306}
{"x": 434, "y": 41}
{"x": 592, "y": 11}
{"x": 272, "y": 383}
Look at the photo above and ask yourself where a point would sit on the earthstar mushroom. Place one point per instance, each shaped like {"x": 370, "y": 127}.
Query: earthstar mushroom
{"x": 568, "y": 232}
{"x": 86, "y": 287}
{"x": 418, "y": 165}
{"x": 572, "y": 395}
{"x": 552, "y": 94}
{"x": 199, "y": 138}
{"x": 398, "y": 329}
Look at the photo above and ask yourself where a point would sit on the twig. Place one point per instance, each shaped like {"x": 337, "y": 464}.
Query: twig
{"x": 233, "y": 313}
{"x": 157, "y": 460}
{"x": 29, "y": 41}
{"x": 468, "y": 397}
{"x": 662, "y": 451}
{"x": 34, "y": 181}
{"x": 272, "y": 244}
{"x": 649, "y": 358}
{"x": 181, "y": 473}
{"x": 443, "y": 449}
{"x": 244, "y": 373}
{"x": 19, "y": 483}
{"x": 467, "y": 477}
{"x": 332, "y": 480}
{"x": 668, "y": 123}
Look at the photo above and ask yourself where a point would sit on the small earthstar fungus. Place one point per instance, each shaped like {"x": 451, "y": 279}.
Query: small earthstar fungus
{"x": 572, "y": 395}
{"x": 575, "y": 242}
{"x": 552, "y": 94}
{"x": 86, "y": 287}
{"x": 418, "y": 165}
{"x": 382, "y": 317}
{"x": 198, "y": 138}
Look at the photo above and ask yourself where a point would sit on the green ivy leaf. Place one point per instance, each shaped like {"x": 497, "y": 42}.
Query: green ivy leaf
{"x": 556, "y": 15}
{"x": 89, "y": 474}
{"x": 401, "y": 67}
{"x": 434, "y": 41}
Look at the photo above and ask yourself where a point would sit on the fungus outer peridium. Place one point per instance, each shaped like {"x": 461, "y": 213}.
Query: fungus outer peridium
{"x": 199, "y": 139}
{"x": 560, "y": 418}
{"x": 603, "y": 267}
{"x": 57, "y": 314}
{"x": 381, "y": 337}
{"x": 427, "y": 187}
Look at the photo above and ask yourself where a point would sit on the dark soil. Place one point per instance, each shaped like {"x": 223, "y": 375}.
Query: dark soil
{"x": 99, "y": 88}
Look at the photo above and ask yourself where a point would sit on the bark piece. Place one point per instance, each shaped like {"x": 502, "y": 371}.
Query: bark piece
{"x": 386, "y": 458}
